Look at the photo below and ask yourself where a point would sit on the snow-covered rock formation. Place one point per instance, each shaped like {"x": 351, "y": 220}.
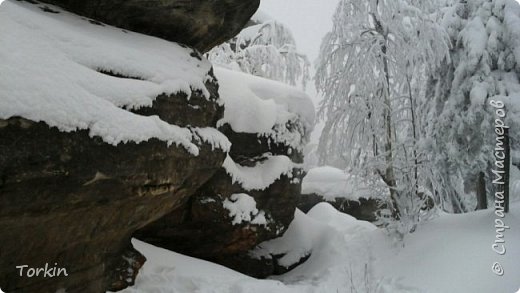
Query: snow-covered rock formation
{"x": 253, "y": 196}
{"x": 348, "y": 193}
{"x": 105, "y": 131}
{"x": 90, "y": 149}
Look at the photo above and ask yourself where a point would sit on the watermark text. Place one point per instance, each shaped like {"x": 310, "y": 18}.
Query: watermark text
{"x": 498, "y": 171}
{"x": 47, "y": 271}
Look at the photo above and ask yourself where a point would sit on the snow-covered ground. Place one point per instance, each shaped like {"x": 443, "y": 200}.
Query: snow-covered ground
{"x": 451, "y": 253}
{"x": 454, "y": 254}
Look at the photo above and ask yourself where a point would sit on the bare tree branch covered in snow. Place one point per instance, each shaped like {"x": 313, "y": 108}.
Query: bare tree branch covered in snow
{"x": 372, "y": 70}
{"x": 268, "y": 50}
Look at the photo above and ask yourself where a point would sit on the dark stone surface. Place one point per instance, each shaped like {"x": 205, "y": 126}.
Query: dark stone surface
{"x": 364, "y": 209}
{"x": 125, "y": 272}
{"x": 194, "y": 111}
{"x": 53, "y": 211}
{"x": 201, "y": 24}
{"x": 204, "y": 229}
{"x": 260, "y": 267}
{"x": 247, "y": 147}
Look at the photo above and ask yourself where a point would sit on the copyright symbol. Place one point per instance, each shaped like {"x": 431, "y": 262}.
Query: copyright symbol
{"x": 497, "y": 269}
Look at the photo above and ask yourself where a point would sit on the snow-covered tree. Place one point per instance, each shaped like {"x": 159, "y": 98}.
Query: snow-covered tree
{"x": 458, "y": 125}
{"x": 372, "y": 70}
{"x": 265, "y": 49}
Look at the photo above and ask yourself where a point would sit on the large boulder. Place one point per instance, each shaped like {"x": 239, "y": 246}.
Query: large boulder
{"x": 70, "y": 199}
{"x": 94, "y": 145}
{"x": 201, "y": 24}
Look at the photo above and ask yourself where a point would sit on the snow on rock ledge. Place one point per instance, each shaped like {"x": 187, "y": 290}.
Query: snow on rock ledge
{"x": 332, "y": 183}
{"x": 260, "y": 176}
{"x": 348, "y": 193}
{"x": 258, "y": 105}
{"x": 74, "y": 74}
{"x": 242, "y": 208}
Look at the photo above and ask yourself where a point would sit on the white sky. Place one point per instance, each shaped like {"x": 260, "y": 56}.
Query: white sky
{"x": 309, "y": 20}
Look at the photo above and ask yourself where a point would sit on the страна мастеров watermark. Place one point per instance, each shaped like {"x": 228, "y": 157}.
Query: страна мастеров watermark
{"x": 499, "y": 170}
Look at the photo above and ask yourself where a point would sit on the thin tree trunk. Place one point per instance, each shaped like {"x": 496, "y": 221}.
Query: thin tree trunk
{"x": 481, "y": 192}
{"x": 389, "y": 157}
{"x": 414, "y": 129}
{"x": 456, "y": 204}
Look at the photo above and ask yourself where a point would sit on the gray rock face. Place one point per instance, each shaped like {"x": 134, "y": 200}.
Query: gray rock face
{"x": 203, "y": 227}
{"x": 201, "y": 24}
{"x": 73, "y": 200}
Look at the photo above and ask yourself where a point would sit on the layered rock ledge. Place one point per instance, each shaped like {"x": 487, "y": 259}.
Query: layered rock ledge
{"x": 201, "y": 24}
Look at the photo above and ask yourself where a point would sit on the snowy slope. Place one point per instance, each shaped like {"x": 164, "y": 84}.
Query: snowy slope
{"x": 51, "y": 63}
{"x": 169, "y": 272}
{"x": 454, "y": 254}
{"x": 324, "y": 229}
{"x": 449, "y": 254}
